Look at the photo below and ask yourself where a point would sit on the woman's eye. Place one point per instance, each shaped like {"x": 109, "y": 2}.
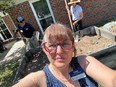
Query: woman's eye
{"x": 52, "y": 46}
{"x": 65, "y": 44}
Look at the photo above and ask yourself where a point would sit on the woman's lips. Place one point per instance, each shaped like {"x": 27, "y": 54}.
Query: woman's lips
{"x": 60, "y": 59}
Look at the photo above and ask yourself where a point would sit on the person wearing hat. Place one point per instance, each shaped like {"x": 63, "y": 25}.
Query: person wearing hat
{"x": 27, "y": 31}
{"x": 76, "y": 12}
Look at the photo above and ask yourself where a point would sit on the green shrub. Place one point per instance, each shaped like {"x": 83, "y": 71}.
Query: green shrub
{"x": 7, "y": 74}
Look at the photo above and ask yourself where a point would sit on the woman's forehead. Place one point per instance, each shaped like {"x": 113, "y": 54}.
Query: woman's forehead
{"x": 57, "y": 37}
{"x": 58, "y": 41}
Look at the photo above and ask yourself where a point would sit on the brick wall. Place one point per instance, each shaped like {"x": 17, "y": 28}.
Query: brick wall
{"x": 95, "y": 11}
{"x": 9, "y": 23}
{"x": 25, "y": 11}
{"x": 59, "y": 11}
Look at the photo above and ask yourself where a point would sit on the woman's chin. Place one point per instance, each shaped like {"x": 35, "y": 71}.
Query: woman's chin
{"x": 60, "y": 64}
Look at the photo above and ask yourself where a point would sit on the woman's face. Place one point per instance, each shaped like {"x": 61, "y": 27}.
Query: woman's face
{"x": 59, "y": 53}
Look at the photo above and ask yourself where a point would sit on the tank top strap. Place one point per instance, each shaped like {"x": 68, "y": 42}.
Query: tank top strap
{"x": 52, "y": 81}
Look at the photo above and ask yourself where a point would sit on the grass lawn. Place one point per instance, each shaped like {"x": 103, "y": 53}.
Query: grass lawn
{"x": 7, "y": 74}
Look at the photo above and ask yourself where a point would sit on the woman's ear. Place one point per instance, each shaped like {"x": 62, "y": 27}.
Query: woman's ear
{"x": 43, "y": 48}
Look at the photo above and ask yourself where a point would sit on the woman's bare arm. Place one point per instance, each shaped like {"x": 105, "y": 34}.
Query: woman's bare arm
{"x": 31, "y": 80}
{"x": 98, "y": 71}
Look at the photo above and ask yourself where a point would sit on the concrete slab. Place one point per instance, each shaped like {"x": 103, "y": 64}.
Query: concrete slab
{"x": 107, "y": 26}
{"x": 105, "y": 33}
{"x": 15, "y": 48}
{"x": 16, "y": 52}
{"x": 93, "y": 30}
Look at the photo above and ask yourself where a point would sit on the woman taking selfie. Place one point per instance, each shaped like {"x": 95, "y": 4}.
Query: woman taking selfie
{"x": 65, "y": 68}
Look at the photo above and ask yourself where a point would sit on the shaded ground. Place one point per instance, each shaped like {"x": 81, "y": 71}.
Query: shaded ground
{"x": 37, "y": 63}
{"x": 8, "y": 46}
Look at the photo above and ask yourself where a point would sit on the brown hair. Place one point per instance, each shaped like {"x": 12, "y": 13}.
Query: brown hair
{"x": 58, "y": 32}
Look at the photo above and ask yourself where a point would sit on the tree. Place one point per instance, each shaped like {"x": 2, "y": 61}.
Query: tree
{"x": 5, "y": 4}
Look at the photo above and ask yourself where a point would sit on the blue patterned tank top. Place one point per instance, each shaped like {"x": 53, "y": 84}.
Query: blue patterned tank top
{"x": 51, "y": 81}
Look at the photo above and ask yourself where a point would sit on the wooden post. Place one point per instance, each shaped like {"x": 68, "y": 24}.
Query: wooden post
{"x": 69, "y": 16}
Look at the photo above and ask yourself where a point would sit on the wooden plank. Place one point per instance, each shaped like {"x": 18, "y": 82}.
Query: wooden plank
{"x": 66, "y": 3}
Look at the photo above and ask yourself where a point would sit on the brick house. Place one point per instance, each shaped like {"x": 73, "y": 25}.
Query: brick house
{"x": 41, "y": 13}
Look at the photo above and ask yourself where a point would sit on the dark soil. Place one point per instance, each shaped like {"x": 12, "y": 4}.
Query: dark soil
{"x": 37, "y": 63}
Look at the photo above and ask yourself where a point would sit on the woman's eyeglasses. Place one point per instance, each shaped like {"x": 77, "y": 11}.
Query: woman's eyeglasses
{"x": 52, "y": 47}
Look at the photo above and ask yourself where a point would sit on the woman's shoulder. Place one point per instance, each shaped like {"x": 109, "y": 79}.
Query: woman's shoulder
{"x": 33, "y": 80}
{"x": 41, "y": 78}
{"x": 38, "y": 74}
{"x": 35, "y": 75}
{"x": 38, "y": 77}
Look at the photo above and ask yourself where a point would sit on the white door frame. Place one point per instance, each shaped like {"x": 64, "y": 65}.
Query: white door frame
{"x": 7, "y": 28}
{"x": 35, "y": 15}
{"x": 4, "y": 33}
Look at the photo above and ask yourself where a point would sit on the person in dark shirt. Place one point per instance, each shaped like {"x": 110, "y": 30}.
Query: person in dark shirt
{"x": 27, "y": 31}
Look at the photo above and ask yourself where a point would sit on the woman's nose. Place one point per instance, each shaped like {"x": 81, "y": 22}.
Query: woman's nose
{"x": 59, "y": 49}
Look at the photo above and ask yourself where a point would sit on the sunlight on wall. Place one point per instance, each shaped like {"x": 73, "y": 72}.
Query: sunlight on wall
{"x": 2, "y": 15}
{"x": 20, "y": 1}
